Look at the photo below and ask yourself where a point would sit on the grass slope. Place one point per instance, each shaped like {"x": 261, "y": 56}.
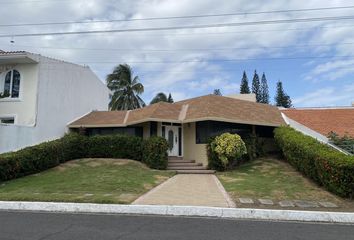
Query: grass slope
{"x": 86, "y": 180}
{"x": 273, "y": 179}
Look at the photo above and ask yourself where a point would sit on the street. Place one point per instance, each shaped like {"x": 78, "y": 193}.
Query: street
{"x": 40, "y": 226}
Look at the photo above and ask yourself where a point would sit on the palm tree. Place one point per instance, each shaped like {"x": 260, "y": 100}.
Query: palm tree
{"x": 125, "y": 89}
{"x": 160, "y": 97}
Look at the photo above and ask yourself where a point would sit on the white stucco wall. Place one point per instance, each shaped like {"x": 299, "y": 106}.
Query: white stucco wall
{"x": 22, "y": 108}
{"x": 65, "y": 92}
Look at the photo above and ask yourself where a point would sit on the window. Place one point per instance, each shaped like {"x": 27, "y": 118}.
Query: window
{"x": 7, "y": 120}
{"x": 163, "y": 130}
{"x": 131, "y": 131}
{"x": 207, "y": 129}
{"x": 153, "y": 128}
{"x": 12, "y": 84}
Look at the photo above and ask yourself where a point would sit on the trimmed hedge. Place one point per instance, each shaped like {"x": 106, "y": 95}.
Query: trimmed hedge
{"x": 155, "y": 152}
{"x": 72, "y": 146}
{"x": 326, "y": 166}
{"x": 115, "y": 146}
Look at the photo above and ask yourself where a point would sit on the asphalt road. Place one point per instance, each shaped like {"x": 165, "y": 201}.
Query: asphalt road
{"x": 42, "y": 226}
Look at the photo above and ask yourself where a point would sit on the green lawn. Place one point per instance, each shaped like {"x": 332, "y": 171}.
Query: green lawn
{"x": 276, "y": 180}
{"x": 86, "y": 180}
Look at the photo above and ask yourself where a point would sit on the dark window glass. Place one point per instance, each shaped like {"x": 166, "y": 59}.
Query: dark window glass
{"x": 265, "y": 131}
{"x": 131, "y": 131}
{"x": 207, "y": 129}
{"x": 163, "y": 134}
{"x": 176, "y": 124}
{"x": 7, "y": 120}
{"x": 153, "y": 128}
{"x": 166, "y": 123}
{"x": 7, "y": 84}
{"x": 15, "y": 84}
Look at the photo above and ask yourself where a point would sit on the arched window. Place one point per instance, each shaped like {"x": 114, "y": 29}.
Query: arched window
{"x": 12, "y": 84}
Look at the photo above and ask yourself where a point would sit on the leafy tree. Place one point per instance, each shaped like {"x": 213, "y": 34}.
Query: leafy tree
{"x": 256, "y": 89}
{"x": 281, "y": 98}
{"x": 170, "y": 99}
{"x": 125, "y": 89}
{"x": 264, "y": 90}
{"x": 217, "y": 92}
{"x": 244, "y": 88}
{"x": 160, "y": 97}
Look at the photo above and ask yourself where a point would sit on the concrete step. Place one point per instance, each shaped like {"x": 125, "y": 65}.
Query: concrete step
{"x": 181, "y": 161}
{"x": 179, "y": 164}
{"x": 187, "y": 168}
{"x": 175, "y": 158}
{"x": 195, "y": 171}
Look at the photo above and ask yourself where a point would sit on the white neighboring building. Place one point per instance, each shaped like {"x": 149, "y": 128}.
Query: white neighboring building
{"x": 45, "y": 95}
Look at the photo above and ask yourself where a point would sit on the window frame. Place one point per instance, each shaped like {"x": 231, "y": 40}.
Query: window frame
{"x": 8, "y": 117}
{"x": 10, "y": 98}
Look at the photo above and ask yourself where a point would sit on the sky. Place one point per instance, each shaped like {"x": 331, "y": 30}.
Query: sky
{"x": 314, "y": 60}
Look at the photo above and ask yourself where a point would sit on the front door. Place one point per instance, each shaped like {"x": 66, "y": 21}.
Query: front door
{"x": 172, "y": 138}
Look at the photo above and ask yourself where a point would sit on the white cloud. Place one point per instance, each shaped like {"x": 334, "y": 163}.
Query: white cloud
{"x": 184, "y": 79}
{"x": 326, "y": 97}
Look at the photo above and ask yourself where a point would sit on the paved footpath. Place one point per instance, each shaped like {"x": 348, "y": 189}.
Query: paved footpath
{"x": 188, "y": 190}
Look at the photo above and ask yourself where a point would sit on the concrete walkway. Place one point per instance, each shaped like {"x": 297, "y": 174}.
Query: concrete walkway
{"x": 188, "y": 190}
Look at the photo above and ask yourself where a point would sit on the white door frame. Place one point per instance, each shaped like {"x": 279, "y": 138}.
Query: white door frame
{"x": 175, "y": 130}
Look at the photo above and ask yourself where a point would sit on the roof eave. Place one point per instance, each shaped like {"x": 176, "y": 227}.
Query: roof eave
{"x": 17, "y": 58}
{"x": 233, "y": 121}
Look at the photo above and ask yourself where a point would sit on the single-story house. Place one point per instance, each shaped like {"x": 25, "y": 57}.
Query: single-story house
{"x": 188, "y": 124}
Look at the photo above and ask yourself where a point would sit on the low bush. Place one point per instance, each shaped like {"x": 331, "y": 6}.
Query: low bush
{"x": 115, "y": 146}
{"x": 41, "y": 157}
{"x": 225, "y": 150}
{"x": 155, "y": 152}
{"x": 326, "y": 166}
{"x": 46, "y": 155}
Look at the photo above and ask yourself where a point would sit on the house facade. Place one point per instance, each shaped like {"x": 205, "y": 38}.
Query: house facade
{"x": 40, "y": 95}
{"x": 187, "y": 125}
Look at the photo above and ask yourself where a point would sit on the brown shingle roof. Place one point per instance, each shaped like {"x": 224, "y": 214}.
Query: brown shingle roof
{"x": 209, "y": 107}
{"x": 99, "y": 118}
{"x": 338, "y": 120}
{"x": 159, "y": 110}
{"x": 215, "y": 107}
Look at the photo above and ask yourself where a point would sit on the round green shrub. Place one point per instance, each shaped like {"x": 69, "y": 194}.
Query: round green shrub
{"x": 225, "y": 150}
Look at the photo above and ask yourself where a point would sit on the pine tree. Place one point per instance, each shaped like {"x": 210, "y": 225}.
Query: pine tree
{"x": 264, "y": 90}
{"x": 244, "y": 88}
{"x": 256, "y": 86}
{"x": 217, "y": 92}
{"x": 281, "y": 98}
{"x": 170, "y": 99}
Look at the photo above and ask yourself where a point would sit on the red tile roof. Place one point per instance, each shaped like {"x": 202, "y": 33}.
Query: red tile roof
{"x": 325, "y": 120}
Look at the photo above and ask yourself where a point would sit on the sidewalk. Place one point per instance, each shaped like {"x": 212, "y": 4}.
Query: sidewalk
{"x": 188, "y": 190}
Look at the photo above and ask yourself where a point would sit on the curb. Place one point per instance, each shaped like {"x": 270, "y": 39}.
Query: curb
{"x": 224, "y": 213}
{"x": 227, "y": 197}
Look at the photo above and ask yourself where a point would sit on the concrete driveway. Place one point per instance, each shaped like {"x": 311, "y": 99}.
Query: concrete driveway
{"x": 189, "y": 190}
